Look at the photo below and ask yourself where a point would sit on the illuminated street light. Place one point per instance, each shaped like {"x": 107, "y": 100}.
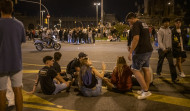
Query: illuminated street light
{"x": 169, "y": 3}
{"x": 97, "y": 4}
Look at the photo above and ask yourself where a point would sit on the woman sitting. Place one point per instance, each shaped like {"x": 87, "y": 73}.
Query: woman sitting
{"x": 90, "y": 80}
{"x": 121, "y": 77}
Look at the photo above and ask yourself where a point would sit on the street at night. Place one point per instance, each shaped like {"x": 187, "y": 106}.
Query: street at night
{"x": 166, "y": 95}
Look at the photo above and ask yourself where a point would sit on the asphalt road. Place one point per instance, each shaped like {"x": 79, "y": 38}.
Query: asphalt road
{"x": 166, "y": 95}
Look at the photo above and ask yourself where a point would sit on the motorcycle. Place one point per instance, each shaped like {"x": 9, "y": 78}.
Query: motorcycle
{"x": 41, "y": 44}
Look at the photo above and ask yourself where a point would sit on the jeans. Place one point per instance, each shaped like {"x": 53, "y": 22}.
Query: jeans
{"x": 169, "y": 57}
{"x": 59, "y": 87}
{"x": 92, "y": 92}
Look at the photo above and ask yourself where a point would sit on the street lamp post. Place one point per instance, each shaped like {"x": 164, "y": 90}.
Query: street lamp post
{"x": 40, "y": 12}
{"x": 102, "y": 17}
{"x": 42, "y": 18}
{"x": 97, "y": 4}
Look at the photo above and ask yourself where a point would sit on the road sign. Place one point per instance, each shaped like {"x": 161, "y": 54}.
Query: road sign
{"x": 48, "y": 16}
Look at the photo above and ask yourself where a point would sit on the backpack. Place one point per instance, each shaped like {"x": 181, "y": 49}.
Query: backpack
{"x": 70, "y": 69}
{"x": 89, "y": 79}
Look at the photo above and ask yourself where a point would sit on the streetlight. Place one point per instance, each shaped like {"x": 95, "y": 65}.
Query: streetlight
{"x": 48, "y": 16}
{"x": 102, "y": 17}
{"x": 40, "y": 12}
{"x": 42, "y": 18}
{"x": 97, "y": 4}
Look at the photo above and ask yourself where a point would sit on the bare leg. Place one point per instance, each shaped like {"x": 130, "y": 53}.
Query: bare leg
{"x": 18, "y": 98}
{"x": 108, "y": 83}
{"x": 140, "y": 79}
{"x": 178, "y": 64}
{"x": 3, "y": 100}
{"x": 147, "y": 76}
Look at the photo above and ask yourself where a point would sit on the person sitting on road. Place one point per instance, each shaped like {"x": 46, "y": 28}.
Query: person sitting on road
{"x": 46, "y": 76}
{"x": 90, "y": 80}
{"x": 57, "y": 67}
{"x": 121, "y": 78}
{"x": 73, "y": 68}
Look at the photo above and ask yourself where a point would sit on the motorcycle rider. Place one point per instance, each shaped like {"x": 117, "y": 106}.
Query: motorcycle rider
{"x": 46, "y": 38}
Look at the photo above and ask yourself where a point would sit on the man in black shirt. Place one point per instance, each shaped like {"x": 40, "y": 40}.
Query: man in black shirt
{"x": 46, "y": 76}
{"x": 141, "y": 49}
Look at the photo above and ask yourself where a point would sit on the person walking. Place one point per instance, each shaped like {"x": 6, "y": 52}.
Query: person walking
{"x": 178, "y": 36}
{"x": 10, "y": 54}
{"x": 140, "y": 53}
{"x": 165, "y": 49}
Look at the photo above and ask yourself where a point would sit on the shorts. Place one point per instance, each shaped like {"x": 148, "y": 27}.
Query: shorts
{"x": 59, "y": 87}
{"x": 16, "y": 79}
{"x": 141, "y": 61}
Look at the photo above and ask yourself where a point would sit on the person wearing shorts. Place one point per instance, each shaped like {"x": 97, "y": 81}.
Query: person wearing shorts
{"x": 140, "y": 53}
{"x": 12, "y": 35}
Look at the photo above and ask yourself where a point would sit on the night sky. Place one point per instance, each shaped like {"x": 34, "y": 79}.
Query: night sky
{"x": 79, "y": 8}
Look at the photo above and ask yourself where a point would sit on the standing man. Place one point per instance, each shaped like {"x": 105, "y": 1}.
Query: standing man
{"x": 12, "y": 34}
{"x": 141, "y": 49}
{"x": 165, "y": 49}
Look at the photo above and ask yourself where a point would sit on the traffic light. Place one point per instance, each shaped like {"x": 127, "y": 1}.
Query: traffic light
{"x": 46, "y": 22}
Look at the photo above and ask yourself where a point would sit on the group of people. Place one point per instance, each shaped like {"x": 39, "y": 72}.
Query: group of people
{"x": 81, "y": 73}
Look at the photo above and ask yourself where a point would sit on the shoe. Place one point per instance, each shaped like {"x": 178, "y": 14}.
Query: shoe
{"x": 176, "y": 80}
{"x": 144, "y": 95}
{"x": 139, "y": 92}
{"x": 158, "y": 74}
{"x": 181, "y": 74}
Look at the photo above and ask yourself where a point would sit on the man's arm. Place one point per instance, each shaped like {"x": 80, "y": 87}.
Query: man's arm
{"x": 134, "y": 43}
{"x": 35, "y": 85}
{"x": 60, "y": 79}
{"x": 160, "y": 40}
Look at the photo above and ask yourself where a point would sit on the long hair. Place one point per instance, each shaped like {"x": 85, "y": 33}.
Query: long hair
{"x": 120, "y": 63}
{"x": 85, "y": 66}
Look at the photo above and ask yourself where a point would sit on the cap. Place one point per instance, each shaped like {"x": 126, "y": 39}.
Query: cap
{"x": 82, "y": 54}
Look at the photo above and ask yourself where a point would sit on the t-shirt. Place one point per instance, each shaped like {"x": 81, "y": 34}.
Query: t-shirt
{"x": 12, "y": 34}
{"x": 74, "y": 64}
{"x": 57, "y": 67}
{"x": 46, "y": 76}
{"x": 144, "y": 44}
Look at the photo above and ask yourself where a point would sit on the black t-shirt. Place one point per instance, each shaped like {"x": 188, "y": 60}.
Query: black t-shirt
{"x": 46, "y": 75}
{"x": 74, "y": 64}
{"x": 57, "y": 67}
{"x": 144, "y": 44}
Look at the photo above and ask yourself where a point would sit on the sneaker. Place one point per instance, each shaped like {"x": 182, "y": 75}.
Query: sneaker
{"x": 144, "y": 95}
{"x": 139, "y": 92}
{"x": 181, "y": 74}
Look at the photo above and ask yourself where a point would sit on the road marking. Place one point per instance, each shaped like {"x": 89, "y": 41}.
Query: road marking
{"x": 165, "y": 99}
{"x": 42, "y": 103}
{"x": 44, "y": 107}
{"x": 35, "y": 99}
